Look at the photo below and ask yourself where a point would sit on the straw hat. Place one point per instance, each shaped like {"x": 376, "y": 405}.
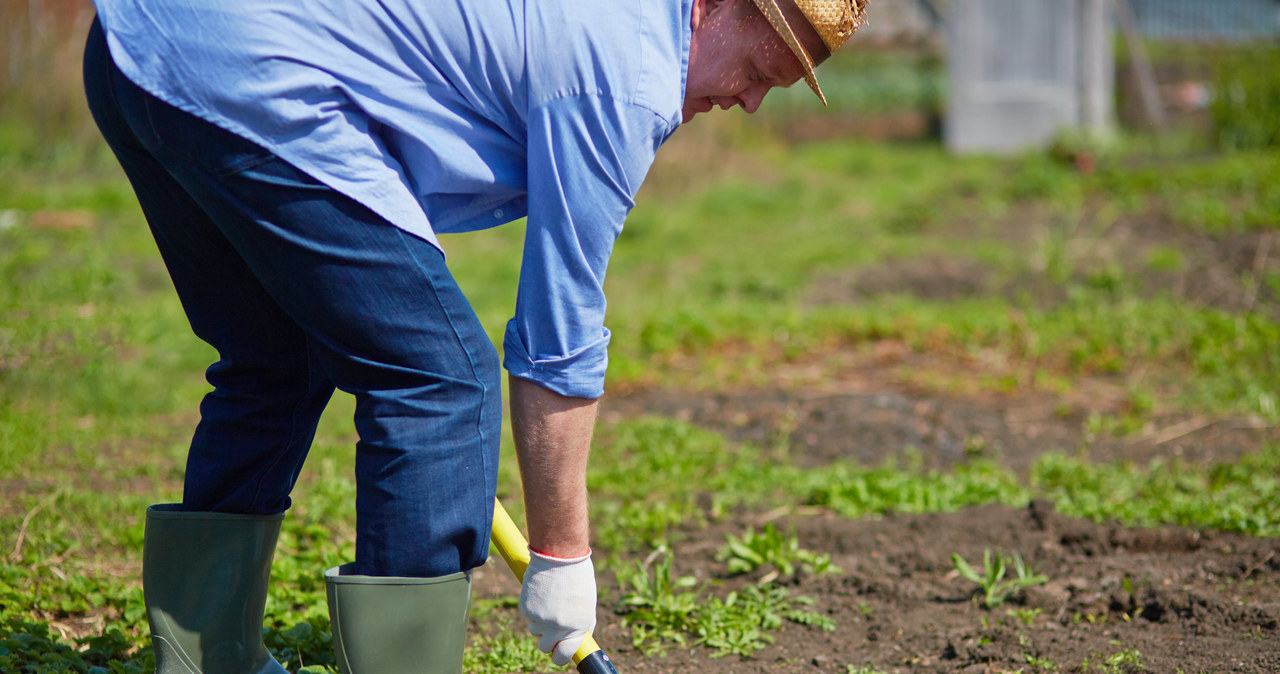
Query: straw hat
{"x": 834, "y": 21}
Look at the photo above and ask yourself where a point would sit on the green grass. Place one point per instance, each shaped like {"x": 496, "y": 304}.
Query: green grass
{"x": 711, "y": 284}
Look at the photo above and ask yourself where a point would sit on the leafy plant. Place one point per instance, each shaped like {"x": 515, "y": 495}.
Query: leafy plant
{"x": 995, "y": 587}
{"x": 740, "y": 623}
{"x": 661, "y": 608}
{"x": 1026, "y": 616}
{"x": 303, "y": 645}
{"x": 509, "y": 652}
{"x": 770, "y": 547}
{"x": 1041, "y": 663}
{"x": 27, "y": 647}
{"x": 1114, "y": 663}
{"x": 666, "y": 610}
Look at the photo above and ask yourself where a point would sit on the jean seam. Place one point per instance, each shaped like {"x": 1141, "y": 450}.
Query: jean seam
{"x": 484, "y": 391}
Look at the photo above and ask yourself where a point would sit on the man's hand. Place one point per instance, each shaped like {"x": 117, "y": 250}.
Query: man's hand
{"x": 559, "y": 601}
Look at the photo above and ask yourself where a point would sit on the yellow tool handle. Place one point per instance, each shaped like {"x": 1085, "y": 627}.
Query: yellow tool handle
{"x": 515, "y": 550}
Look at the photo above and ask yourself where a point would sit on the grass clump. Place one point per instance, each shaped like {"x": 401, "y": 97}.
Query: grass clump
{"x": 664, "y": 610}
{"x": 1241, "y": 496}
{"x": 855, "y": 491}
{"x": 503, "y": 653}
{"x": 992, "y": 582}
{"x": 770, "y": 547}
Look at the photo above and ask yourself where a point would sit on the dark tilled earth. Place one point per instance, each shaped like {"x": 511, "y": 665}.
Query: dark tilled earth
{"x": 1181, "y": 600}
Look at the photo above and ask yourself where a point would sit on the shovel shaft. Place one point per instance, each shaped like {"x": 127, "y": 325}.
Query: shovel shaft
{"x": 511, "y": 544}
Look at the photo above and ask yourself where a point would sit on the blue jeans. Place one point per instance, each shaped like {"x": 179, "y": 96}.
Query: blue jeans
{"x": 302, "y": 290}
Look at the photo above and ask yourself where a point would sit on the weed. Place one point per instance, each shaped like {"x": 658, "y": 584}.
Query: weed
{"x": 1126, "y": 657}
{"x": 1237, "y": 496}
{"x": 1044, "y": 664}
{"x": 1114, "y": 663}
{"x": 995, "y": 587}
{"x": 661, "y": 607}
{"x": 1027, "y": 616}
{"x": 302, "y": 645}
{"x": 503, "y": 653}
{"x": 770, "y": 547}
{"x": 740, "y": 623}
{"x": 664, "y": 610}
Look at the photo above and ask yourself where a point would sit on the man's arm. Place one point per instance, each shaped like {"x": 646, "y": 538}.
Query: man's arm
{"x": 553, "y": 438}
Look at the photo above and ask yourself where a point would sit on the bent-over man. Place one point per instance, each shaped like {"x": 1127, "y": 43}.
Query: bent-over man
{"x": 295, "y": 160}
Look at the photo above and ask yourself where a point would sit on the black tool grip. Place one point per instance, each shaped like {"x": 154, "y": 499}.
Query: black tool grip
{"x": 596, "y": 663}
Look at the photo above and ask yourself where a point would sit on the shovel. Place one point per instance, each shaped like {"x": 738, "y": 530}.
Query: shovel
{"x": 590, "y": 658}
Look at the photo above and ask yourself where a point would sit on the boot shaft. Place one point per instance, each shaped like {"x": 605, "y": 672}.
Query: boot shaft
{"x": 390, "y": 625}
{"x": 204, "y": 579}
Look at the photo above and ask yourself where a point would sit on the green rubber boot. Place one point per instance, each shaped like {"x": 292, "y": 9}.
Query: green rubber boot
{"x": 204, "y": 579}
{"x": 390, "y": 625}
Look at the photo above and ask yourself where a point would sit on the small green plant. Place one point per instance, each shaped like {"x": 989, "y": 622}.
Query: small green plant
{"x": 666, "y": 610}
{"x": 661, "y": 608}
{"x": 510, "y": 652}
{"x": 1044, "y": 664}
{"x": 303, "y": 645}
{"x": 1026, "y": 616}
{"x": 740, "y": 624}
{"x": 770, "y": 547}
{"x": 1129, "y": 656}
{"x": 1114, "y": 663}
{"x": 995, "y": 587}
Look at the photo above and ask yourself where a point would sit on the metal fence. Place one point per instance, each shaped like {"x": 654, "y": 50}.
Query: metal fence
{"x": 1208, "y": 20}
{"x": 1175, "y": 20}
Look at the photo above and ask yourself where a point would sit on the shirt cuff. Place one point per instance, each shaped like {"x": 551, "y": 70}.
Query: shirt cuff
{"x": 579, "y": 374}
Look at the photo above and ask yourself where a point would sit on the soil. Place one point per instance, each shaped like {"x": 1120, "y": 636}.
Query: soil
{"x": 1118, "y": 598}
{"x": 1185, "y": 600}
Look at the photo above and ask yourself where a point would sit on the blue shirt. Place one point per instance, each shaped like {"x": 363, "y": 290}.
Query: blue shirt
{"x": 446, "y": 116}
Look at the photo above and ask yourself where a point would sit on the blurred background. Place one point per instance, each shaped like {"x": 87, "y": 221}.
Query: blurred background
{"x": 955, "y": 71}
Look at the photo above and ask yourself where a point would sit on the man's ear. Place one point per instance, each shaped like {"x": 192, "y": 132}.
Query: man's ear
{"x": 705, "y": 8}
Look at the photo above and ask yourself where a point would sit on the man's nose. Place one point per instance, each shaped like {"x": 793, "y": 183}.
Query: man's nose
{"x": 752, "y": 97}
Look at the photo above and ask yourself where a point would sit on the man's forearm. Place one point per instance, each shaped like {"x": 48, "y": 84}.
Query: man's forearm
{"x": 553, "y": 438}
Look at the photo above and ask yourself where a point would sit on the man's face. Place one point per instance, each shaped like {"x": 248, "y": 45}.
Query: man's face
{"x": 736, "y": 57}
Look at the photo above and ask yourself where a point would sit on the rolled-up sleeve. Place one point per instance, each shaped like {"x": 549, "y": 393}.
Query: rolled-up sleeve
{"x": 588, "y": 154}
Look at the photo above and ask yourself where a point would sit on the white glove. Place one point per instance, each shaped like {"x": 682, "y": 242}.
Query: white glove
{"x": 559, "y": 601}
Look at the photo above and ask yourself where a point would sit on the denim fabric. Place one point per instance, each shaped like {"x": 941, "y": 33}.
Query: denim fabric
{"x": 302, "y": 290}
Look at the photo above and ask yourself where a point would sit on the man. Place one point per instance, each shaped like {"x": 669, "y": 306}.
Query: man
{"x": 295, "y": 160}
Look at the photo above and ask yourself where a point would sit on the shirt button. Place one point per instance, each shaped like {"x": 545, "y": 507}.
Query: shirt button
{"x": 497, "y": 213}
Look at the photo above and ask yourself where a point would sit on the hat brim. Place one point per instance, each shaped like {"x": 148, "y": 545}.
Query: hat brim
{"x": 773, "y": 13}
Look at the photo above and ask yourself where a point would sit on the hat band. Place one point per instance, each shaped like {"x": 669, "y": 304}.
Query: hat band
{"x": 773, "y": 13}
